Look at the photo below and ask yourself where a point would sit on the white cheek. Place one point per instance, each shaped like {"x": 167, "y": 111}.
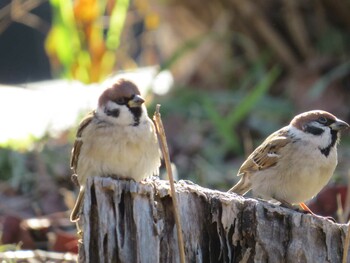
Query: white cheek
{"x": 320, "y": 141}
{"x": 144, "y": 115}
{"x": 125, "y": 117}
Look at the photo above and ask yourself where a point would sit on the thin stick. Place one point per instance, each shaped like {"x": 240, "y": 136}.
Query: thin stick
{"x": 347, "y": 201}
{"x": 164, "y": 146}
{"x": 346, "y": 245}
{"x": 340, "y": 210}
{"x": 345, "y": 217}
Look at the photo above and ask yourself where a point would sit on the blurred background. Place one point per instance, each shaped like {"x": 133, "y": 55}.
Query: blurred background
{"x": 227, "y": 73}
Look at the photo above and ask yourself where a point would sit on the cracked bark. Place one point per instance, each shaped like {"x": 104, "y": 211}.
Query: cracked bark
{"x": 125, "y": 221}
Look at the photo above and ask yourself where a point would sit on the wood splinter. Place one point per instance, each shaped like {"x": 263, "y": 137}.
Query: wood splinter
{"x": 164, "y": 146}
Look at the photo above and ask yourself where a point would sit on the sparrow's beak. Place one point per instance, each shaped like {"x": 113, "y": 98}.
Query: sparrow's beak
{"x": 136, "y": 101}
{"x": 339, "y": 125}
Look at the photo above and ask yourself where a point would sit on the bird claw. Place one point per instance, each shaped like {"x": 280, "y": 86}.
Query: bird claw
{"x": 74, "y": 178}
{"x": 307, "y": 210}
{"x": 329, "y": 218}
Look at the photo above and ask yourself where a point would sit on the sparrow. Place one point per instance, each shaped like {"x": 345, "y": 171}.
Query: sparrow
{"x": 117, "y": 139}
{"x": 294, "y": 163}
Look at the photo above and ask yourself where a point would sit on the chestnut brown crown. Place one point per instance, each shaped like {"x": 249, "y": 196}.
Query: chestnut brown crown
{"x": 323, "y": 117}
{"x": 121, "y": 89}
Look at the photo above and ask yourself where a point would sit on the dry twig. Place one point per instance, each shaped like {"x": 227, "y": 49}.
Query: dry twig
{"x": 160, "y": 130}
{"x": 345, "y": 217}
{"x": 347, "y": 203}
{"x": 346, "y": 245}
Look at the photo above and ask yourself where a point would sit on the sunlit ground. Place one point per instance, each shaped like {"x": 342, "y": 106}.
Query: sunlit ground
{"x": 34, "y": 109}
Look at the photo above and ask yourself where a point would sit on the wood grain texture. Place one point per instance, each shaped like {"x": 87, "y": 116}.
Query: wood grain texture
{"x": 125, "y": 221}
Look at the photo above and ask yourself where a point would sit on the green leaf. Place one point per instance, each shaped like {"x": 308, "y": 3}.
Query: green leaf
{"x": 248, "y": 102}
{"x": 338, "y": 72}
{"x": 117, "y": 21}
{"x": 226, "y": 125}
{"x": 63, "y": 39}
{"x": 181, "y": 51}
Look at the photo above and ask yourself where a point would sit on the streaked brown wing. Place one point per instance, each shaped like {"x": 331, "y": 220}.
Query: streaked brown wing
{"x": 267, "y": 154}
{"x": 78, "y": 141}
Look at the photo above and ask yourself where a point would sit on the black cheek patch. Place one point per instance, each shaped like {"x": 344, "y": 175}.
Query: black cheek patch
{"x": 113, "y": 113}
{"x": 325, "y": 151}
{"x": 313, "y": 130}
{"x": 136, "y": 112}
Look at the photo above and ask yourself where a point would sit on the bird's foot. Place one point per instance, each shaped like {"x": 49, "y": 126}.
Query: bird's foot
{"x": 119, "y": 177}
{"x": 74, "y": 178}
{"x": 183, "y": 181}
{"x": 79, "y": 230}
{"x": 152, "y": 181}
{"x": 307, "y": 210}
{"x": 288, "y": 205}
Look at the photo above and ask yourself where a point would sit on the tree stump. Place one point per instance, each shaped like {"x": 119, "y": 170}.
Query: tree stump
{"x": 125, "y": 221}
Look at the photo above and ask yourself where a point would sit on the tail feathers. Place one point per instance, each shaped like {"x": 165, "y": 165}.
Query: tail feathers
{"x": 74, "y": 216}
{"x": 242, "y": 187}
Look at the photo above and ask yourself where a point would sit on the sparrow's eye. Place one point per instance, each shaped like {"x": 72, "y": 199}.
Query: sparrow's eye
{"x": 121, "y": 101}
{"x": 322, "y": 120}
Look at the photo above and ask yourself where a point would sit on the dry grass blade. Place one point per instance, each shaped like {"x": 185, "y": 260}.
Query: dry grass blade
{"x": 346, "y": 213}
{"x": 345, "y": 217}
{"x": 346, "y": 245}
{"x": 164, "y": 146}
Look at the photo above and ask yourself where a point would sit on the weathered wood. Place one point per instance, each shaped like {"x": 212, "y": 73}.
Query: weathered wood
{"x": 130, "y": 222}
